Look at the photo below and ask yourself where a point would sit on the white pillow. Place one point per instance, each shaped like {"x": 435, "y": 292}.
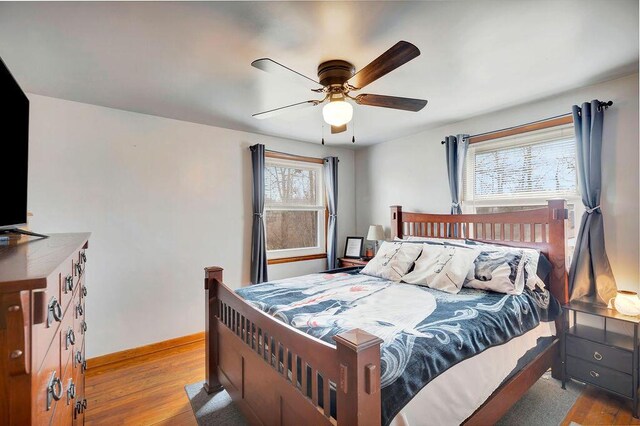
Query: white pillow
{"x": 498, "y": 269}
{"x": 442, "y": 267}
{"x": 393, "y": 260}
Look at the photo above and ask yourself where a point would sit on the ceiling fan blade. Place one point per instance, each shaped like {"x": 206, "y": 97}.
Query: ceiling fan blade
{"x": 284, "y": 109}
{"x": 395, "y": 102}
{"x": 338, "y": 129}
{"x": 401, "y": 53}
{"x": 273, "y": 67}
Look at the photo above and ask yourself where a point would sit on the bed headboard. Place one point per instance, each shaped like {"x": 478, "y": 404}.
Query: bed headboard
{"x": 542, "y": 229}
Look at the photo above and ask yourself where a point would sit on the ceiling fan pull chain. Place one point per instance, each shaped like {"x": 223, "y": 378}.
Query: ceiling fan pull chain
{"x": 353, "y": 130}
{"x": 322, "y": 133}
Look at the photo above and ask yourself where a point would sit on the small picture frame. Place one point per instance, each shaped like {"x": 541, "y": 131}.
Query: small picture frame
{"x": 353, "y": 247}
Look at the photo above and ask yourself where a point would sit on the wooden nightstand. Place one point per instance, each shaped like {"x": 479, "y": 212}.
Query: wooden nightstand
{"x": 346, "y": 262}
{"x": 599, "y": 356}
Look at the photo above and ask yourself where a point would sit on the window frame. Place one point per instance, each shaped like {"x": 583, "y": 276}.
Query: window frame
{"x": 275, "y": 257}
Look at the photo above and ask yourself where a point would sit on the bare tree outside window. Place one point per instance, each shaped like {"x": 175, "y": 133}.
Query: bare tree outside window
{"x": 545, "y": 168}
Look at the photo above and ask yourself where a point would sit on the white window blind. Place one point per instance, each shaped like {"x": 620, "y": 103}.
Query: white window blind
{"x": 533, "y": 166}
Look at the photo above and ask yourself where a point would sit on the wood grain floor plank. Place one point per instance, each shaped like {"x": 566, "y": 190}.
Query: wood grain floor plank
{"x": 184, "y": 419}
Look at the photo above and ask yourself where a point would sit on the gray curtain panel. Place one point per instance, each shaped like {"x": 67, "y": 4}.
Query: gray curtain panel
{"x": 590, "y": 276}
{"x": 331, "y": 185}
{"x": 258, "y": 240}
{"x": 456, "y": 147}
{"x": 456, "y": 151}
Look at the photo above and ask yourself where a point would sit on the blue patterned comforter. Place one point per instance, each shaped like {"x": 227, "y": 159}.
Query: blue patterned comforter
{"x": 425, "y": 331}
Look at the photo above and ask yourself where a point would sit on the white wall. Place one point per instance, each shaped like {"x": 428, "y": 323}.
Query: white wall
{"x": 163, "y": 199}
{"x": 412, "y": 171}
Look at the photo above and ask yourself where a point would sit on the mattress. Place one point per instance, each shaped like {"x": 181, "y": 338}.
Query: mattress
{"x": 457, "y": 393}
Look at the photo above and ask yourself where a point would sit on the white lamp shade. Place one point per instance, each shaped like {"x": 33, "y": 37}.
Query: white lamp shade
{"x": 337, "y": 113}
{"x": 376, "y": 233}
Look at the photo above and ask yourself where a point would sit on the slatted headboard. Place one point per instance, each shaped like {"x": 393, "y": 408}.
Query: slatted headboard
{"x": 542, "y": 229}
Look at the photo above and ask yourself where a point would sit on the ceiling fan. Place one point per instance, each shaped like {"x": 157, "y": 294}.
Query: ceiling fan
{"x": 337, "y": 79}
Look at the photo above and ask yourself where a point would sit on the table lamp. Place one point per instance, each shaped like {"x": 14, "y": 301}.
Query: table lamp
{"x": 376, "y": 233}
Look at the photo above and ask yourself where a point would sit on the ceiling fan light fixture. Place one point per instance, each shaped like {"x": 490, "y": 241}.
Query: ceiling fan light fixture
{"x": 337, "y": 112}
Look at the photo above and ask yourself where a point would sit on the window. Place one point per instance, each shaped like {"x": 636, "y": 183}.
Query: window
{"x": 523, "y": 172}
{"x": 294, "y": 209}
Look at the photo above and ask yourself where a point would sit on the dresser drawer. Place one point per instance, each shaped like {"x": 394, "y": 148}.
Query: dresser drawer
{"x": 602, "y": 376}
{"x": 69, "y": 339}
{"x": 45, "y": 334}
{"x": 48, "y": 386}
{"x": 71, "y": 275}
{"x": 79, "y": 363}
{"x": 599, "y": 354}
{"x": 64, "y": 407}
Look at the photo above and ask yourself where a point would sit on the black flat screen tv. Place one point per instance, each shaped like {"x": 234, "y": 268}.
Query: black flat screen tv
{"x": 14, "y": 151}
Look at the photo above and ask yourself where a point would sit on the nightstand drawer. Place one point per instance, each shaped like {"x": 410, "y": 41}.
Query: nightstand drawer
{"x": 346, "y": 262}
{"x": 599, "y": 354}
{"x": 604, "y": 377}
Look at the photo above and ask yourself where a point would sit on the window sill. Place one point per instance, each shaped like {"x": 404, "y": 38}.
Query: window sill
{"x": 296, "y": 259}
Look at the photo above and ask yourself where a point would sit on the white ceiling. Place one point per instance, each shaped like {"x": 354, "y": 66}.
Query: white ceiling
{"x": 191, "y": 61}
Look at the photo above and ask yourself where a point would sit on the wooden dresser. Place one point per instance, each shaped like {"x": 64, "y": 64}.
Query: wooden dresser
{"x": 42, "y": 329}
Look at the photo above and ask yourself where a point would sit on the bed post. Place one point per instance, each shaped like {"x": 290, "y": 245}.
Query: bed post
{"x": 557, "y": 236}
{"x": 558, "y": 280}
{"x": 358, "y": 393}
{"x": 396, "y": 222}
{"x": 212, "y": 278}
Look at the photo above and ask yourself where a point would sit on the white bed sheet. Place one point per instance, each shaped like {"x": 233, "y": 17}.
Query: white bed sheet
{"x": 457, "y": 393}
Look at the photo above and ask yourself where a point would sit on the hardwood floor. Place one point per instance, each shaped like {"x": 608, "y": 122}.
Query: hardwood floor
{"x": 596, "y": 407}
{"x": 149, "y": 390}
{"x": 146, "y": 390}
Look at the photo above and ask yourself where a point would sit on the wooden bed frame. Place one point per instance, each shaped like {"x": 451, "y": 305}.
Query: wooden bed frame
{"x": 263, "y": 379}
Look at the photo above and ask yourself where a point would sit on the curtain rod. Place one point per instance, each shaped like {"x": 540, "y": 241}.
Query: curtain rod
{"x": 602, "y": 104}
{"x": 293, "y": 155}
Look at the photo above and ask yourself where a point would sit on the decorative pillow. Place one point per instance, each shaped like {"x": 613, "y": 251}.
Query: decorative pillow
{"x": 498, "y": 269}
{"x": 393, "y": 260}
{"x": 532, "y": 271}
{"x": 442, "y": 267}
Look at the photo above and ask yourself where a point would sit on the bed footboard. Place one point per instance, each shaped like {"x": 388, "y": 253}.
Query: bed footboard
{"x": 278, "y": 375}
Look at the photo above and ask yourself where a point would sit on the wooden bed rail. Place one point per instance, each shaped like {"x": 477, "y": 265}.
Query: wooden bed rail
{"x": 267, "y": 365}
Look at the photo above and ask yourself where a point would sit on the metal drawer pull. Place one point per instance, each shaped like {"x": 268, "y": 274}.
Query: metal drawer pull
{"x": 78, "y": 358}
{"x": 83, "y": 256}
{"x": 68, "y": 283}
{"x": 84, "y": 367}
{"x": 54, "y": 311}
{"x": 79, "y": 268}
{"x": 597, "y": 355}
{"x": 54, "y": 390}
{"x": 71, "y": 392}
{"x": 79, "y": 310}
{"x": 80, "y": 407}
{"x": 83, "y": 326}
{"x": 84, "y": 291}
{"x": 71, "y": 337}
{"x": 594, "y": 374}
